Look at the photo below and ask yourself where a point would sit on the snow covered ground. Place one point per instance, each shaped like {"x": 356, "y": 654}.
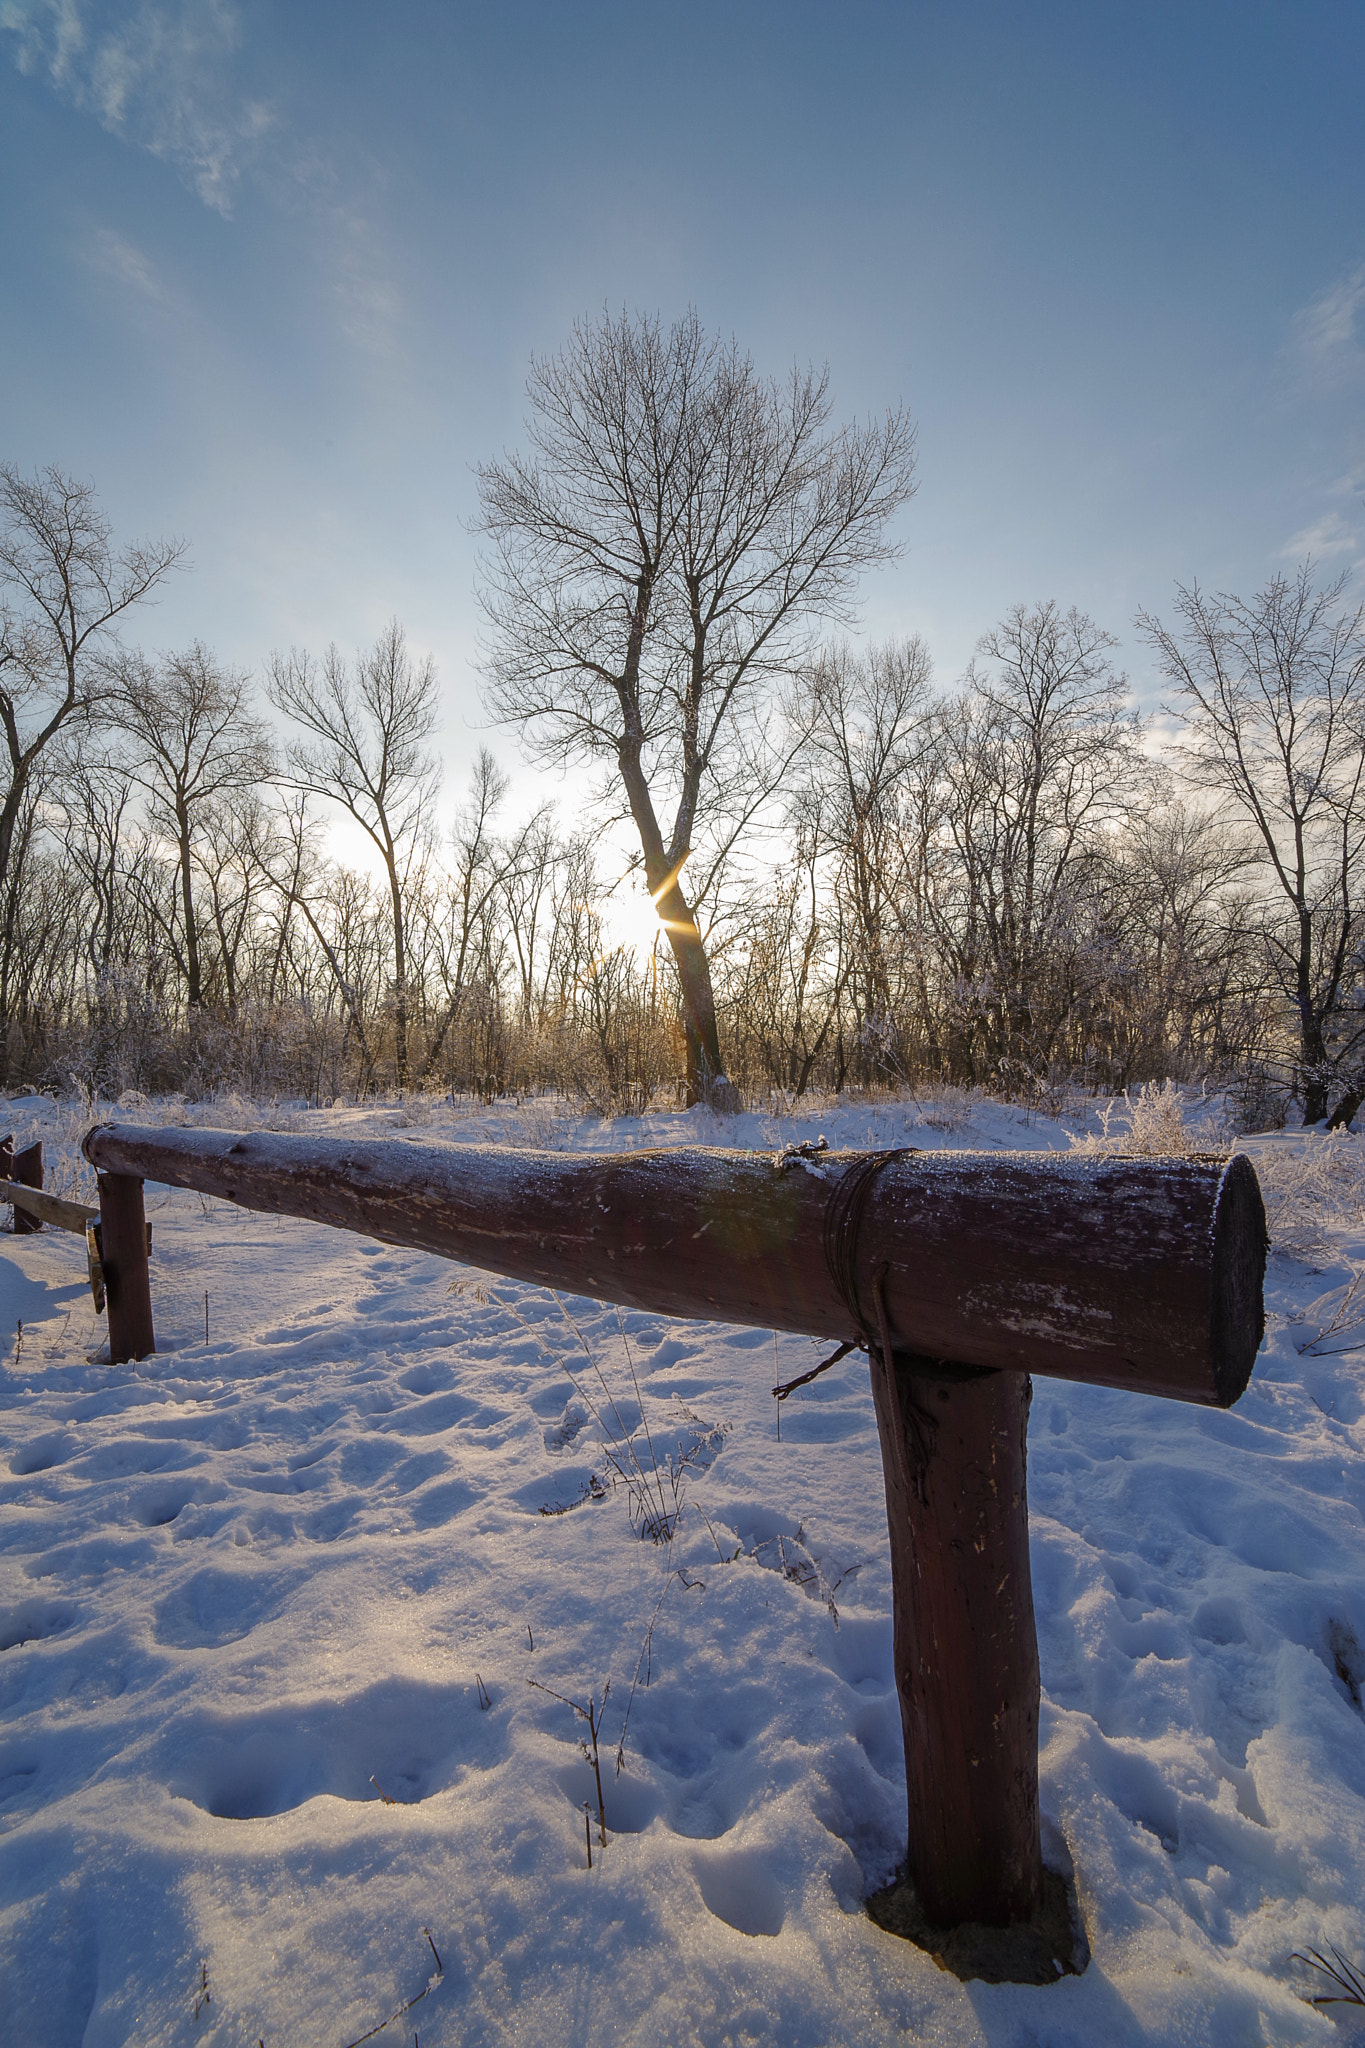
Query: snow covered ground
{"x": 283, "y": 1618}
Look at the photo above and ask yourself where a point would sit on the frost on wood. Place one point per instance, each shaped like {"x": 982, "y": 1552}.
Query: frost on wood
{"x": 1137, "y": 1273}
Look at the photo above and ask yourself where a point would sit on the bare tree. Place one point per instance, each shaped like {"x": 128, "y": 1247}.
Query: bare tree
{"x": 868, "y": 718}
{"x": 194, "y": 741}
{"x": 1186, "y": 997}
{"x": 95, "y": 795}
{"x": 1273, "y": 696}
{"x": 656, "y": 562}
{"x": 525, "y": 887}
{"x": 1037, "y": 756}
{"x": 483, "y": 870}
{"x": 367, "y": 724}
{"x": 236, "y": 882}
{"x": 63, "y": 590}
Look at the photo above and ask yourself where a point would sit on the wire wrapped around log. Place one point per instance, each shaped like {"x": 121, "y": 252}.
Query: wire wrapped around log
{"x": 1137, "y": 1273}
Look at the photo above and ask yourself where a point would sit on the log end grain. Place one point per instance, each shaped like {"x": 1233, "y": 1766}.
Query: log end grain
{"x": 1240, "y": 1242}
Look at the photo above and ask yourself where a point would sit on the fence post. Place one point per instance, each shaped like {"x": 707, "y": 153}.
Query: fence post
{"x": 28, "y": 1171}
{"x": 966, "y": 1651}
{"x": 123, "y": 1254}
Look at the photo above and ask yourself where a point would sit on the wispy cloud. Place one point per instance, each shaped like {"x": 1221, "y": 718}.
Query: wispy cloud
{"x": 362, "y": 280}
{"x": 1337, "y": 535}
{"x": 166, "y": 76}
{"x": 160, "y": 75}
{"x": 112, "y": 255}
{"x": 1329, "y": 334}
{"x": 1327, "y": 539}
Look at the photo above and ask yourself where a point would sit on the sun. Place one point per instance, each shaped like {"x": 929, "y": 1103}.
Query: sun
{"x": 632, "y": 920}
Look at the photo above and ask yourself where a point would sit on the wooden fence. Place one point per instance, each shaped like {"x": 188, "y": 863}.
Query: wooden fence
{"x": 959, "y": 1273}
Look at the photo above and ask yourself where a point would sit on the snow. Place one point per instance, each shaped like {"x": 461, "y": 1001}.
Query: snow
{"x": 252, "y": 1584}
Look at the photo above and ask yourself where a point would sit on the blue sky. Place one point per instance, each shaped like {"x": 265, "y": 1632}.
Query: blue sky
{"x": 272, "y": 275}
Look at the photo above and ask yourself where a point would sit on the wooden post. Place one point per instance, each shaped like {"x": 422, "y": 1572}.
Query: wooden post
{"x": 28, "y": 1171}
{"x": 127, "y": 1282}
{"x": 966, "y": 1651}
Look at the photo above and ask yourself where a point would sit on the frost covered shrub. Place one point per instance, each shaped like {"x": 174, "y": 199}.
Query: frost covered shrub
{"x": 1152, "y": 1126}
{"x": 1314, "y": 1191}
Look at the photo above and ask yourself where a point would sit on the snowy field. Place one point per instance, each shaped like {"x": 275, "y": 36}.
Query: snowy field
{"x": 283, "y": 1618}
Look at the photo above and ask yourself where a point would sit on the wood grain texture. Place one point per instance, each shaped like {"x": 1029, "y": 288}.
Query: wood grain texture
{"x": 123, "y": 1259}
{"x": 49, "y": 1208}
{"x": 27, "y": 1169}
{"x": 966, "y": 1650}
{"x": 1134, "y": 1273}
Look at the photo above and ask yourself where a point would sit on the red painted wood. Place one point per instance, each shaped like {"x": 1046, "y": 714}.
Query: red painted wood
{"x": 123, "y": 1256}
{"x": 1135, "y": 1273}
{"x": 966, "y": 1651}
{"x": 28, "y": 1171}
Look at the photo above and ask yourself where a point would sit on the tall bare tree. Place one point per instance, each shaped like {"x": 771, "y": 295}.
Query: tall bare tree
{"x": 1272, "y": 691}
{"x": 869, "y": 725}
{"x": 64, "y": 588}
{"x": 194, "y": 741}
{"x": 366, "y": 726}
{"x": 1037, "y": 755}
{"x": 656, "y": 562}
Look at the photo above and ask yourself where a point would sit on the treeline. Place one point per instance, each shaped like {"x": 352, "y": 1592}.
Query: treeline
{"x": 859, "y": 878}
{"x": 998, "y": 886}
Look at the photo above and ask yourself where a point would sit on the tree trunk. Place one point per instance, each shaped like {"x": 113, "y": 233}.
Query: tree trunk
{"x": 400, "y": 978}
{"x": 1312, "y": 1049}
{"x": 194, "y": 982}
{"x": 698, "y": 1000}
{"x": 1344, "y": 1113}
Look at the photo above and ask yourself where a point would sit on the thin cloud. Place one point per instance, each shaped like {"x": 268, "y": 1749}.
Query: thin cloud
{"x": 1327, "y": 539}
{"x": 160, "y": 77}
{"x": 112, "y": 255}
{"x": 1330, "y": 332}
{"x": 164, "y": 75}
{"x": 371, "y": 307}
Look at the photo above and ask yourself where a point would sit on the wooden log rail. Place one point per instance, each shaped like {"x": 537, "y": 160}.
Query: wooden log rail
{"x": 130, "y": 1316}
{"x": 961, "y": 1272}
{"x": 53, "y": 1209}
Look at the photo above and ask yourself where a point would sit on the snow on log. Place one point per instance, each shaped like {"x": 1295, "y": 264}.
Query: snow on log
{"x": 1143, "y": 1274}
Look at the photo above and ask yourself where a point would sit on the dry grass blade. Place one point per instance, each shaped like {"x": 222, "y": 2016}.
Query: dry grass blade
{"x": 1347, "y": 1316}
{"x": 592, "y": 1714}
{"x": 1347, "y": 1978}
{"x": 644, "y": 1419}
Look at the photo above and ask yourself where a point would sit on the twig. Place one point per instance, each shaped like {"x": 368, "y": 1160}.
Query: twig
{"x": 485, "y": 1697}
{"x": 780, "y": 1392}
{"x": 587, "y": 1828}
{"x": 529, "y": 1637}
{"x": 719, "y": 1552}
{"x": 777, "y": 1376}
{"x": 382, "y": 1793}
{"x": 408, "y": 2003}
{"x": 590, "y": 1715}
